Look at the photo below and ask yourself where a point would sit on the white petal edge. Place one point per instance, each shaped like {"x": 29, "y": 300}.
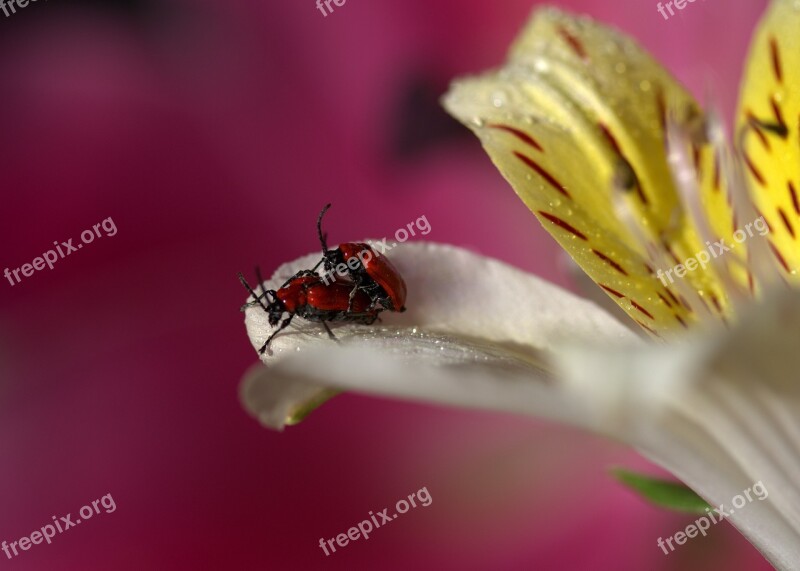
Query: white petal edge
{"x": 464, "y": 310}
{"x": 454, "y": 291}
{"x": 721, "y": 413}
{"x": 688, "y": 406}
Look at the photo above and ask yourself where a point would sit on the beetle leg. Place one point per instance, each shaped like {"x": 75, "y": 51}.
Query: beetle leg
{"x": 356, "y": 286}
{"x": 314, "y": 269}
{"x": 300, "y": 274}
{"x": 283, "y": 326}
{"x": 330, "y": 333}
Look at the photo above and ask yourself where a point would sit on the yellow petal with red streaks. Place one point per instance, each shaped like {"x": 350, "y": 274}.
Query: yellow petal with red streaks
{"x": 768, "y": 130}
{"x": 575, "y": 121}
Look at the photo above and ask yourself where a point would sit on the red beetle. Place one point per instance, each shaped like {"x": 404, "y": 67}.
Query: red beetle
{"x": 306, "y": 296}
{"x": 371, "y": 272}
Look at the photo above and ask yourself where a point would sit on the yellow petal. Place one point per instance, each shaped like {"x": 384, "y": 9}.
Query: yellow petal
{"x": 575, "y": 121}
{"x": 767, "y": 129}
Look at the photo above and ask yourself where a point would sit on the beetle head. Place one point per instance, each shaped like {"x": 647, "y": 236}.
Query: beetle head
{"x": 275, "y": 308}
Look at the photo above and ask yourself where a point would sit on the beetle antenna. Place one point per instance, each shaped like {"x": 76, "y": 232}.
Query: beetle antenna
{"x": 319, "y": 228}
{"x": 249, "y": 289}
{"x": 260, "y": 279}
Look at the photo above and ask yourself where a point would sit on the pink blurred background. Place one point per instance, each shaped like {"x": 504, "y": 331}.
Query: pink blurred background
{"x": 212, "y": 133}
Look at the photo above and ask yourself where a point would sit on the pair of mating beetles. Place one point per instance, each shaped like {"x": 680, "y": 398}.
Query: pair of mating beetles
{"x": 371, "y": 285}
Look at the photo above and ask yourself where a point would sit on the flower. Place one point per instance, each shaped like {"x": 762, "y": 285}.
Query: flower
{"x": 631, "y": 177}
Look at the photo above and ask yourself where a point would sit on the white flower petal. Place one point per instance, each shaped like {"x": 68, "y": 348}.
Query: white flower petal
{"x": 477, "y": 333}
{"x": 402, "y": 364}
{"x": 720, "y": 413}
{"x": 454, "y": 291}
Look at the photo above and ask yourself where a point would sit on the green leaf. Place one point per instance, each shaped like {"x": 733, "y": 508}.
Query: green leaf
{"x": 663, "y": 493}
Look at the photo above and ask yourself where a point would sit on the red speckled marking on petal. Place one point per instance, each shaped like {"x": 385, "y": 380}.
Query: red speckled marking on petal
{"x": 756, "y": 125}
{"x": 610, "y": 262}
{"x": 776, "y": 110}
{"x": 574, "y": 43}
{"x": 627, "y": 164}
{"x": 543, "y": 173}
{"x": 793, "y": 194}
{"x": 610, "y": 137}
{"x": 696, "y": 155}
{"x": 521, "y": 135}
{"x": 753, "y": 170}
{"x": 661, "y": 104}
{"x": 716, "y": 302}
{"x": 681, "y": 321}
{"x": 648, "y": 329}
{"x": 665, "y": 300}
{"x": 642, "y": 309}
{"x": 669, "y": 250}
{"x": 786, "y": 222}
{"x": 613, "y": 292}
{"x": 776, "y": 59}
{"x": 779, "y": 256}
{"x": 672, "y": 297}
{"x": 761, "y": 215}
{"x": 561, "y": 224}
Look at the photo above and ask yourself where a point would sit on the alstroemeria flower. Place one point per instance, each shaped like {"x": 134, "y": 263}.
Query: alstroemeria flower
{"x": 628, "y": 174}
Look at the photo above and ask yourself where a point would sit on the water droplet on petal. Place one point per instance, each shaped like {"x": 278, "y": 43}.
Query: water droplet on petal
{"x": 499, "y": 98}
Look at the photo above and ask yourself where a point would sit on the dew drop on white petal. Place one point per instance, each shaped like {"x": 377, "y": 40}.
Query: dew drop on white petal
{"x": 499, "y": 98}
